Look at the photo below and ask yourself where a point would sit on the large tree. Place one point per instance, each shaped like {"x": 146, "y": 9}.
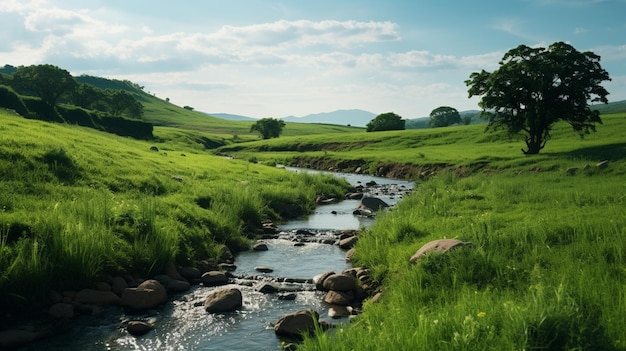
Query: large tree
{"x": 386, "y": 121}
{"x": 268, "y": 127}
{"x": 444, "y": 116}
{"x": 46, "y": 81}
{"x": 536, "y": 87}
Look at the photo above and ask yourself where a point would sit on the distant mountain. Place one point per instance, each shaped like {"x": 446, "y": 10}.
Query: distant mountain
{"x": 355, "y": 118}
{"x": 231, "y": 117}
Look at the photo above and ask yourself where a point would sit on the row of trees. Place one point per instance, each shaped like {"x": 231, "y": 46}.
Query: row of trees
{"x": 54, "y": 85}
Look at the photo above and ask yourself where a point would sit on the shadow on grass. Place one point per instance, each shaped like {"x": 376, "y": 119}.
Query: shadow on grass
{"x": 611, "y": 152}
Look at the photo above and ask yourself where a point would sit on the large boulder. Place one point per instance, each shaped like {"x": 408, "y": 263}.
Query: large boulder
{"x": 441, "y": 246}
{"x": 260, "y": 246}
{"x": 320, "y": 278}
{"x": 339, "y": 282}
{"x": 295, "y": 324}
{"x": 372, "y": 203}
{"x": 225, "y": 300}
{"x": 118, "y": 284}
{"x": 172, "y": 271}
{"x": 147, "y": 295}
{"x": 214, "y": 278}
{"x": 341, "y": 298}
{"x": 97, "y": 297}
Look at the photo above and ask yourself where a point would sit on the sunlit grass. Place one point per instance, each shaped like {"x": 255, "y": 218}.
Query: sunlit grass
{"x": 77, "y": 204}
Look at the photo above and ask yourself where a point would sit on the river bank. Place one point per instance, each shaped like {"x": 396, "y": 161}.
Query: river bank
{"x": 300, "y": 249}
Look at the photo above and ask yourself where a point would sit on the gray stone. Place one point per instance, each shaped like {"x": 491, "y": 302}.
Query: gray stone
{"x": 339, "y": 282}
{"x": 147, "y": 295}
{"x": 214, "y": 278}
{"x": 372, "y": 203}
{"x": 138, "y": 328}
{"x": 225, "y": 300}
{"x": 342, "y": 298}
{"x": 441, "y": 245}
{"x": 295, "y": 324}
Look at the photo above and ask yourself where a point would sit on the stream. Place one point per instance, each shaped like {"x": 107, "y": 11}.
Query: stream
{"x": 182, "y": 325}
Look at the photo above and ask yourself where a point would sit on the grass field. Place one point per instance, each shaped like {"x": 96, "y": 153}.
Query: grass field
{"x": 546, "y": 270}
{"x": 76, "y": 204}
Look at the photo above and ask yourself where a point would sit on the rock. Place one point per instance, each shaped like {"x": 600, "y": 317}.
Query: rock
{"x": 190, "y": 273}
{"x": 287, "y": 296}
{"x": 339, "y": 311}
{"x": 214, "y": 278}
{"x": 319, "y": 280}
{"x": 348, "y": 243}
{"x": 225, "y": 300}
{"x": 295, "y": 324}
{"x": 299, "y": 244}
{"x": 118, "y": 284}
{"x": 147, "y": 295}
{"x": 260, "y": 246}
{"x": 154, "y": 148}
{"x": 376, "y": 297}
{"x": 173, "y": 285}
{"x": 55, "y": 296}
{"x": 350, "y": 254}
{"x": 342, "y": 298}
{"x": 441, "y": 245}
{"x": 61, "y": 311}
{"x": 172, "y": 272}
{"x": 572, "y": 170}
{"x": 102, "y": 286}
{"x": 263, "y": 269}
{"x": 339, "y": 282}
{"x": 603, "y": 164}
{"x": 267, "y": 288}
{"x": 372, "y": 203}
{"x": 138, "y": 328}
{"x": 96, "y": 297}
{"x": 354, "y": 196}
{"x": 228, "y": 267}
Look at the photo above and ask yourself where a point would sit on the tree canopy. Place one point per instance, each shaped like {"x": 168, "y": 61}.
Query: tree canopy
{"x": 46, "y": 81}
{"x": 444, "y": 116}
{"x": 537, "y": 87}
{"x": 268, "y": 127}
{"x": 386, "y": 121}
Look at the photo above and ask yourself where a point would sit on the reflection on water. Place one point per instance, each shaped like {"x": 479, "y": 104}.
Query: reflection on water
{"x": 182, "y": 324}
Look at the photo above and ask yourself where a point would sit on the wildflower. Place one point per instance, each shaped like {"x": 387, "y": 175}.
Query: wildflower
{"x": 481, "y": 314}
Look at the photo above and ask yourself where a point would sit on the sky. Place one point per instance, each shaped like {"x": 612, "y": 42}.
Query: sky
{"x": 276, "y": 58}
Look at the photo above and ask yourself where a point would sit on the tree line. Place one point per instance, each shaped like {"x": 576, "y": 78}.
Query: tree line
{"x": 51, "y": 93}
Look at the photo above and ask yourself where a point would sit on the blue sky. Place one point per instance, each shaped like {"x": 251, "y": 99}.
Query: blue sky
{"x": 269, "y": 58}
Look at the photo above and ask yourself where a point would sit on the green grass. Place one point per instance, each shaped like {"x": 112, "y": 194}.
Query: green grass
{"x": 457, "y": 147}
{"x": 77, "y": 204}
{"x": 547, "y": 270}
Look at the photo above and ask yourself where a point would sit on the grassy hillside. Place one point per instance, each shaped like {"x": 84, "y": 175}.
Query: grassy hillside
{"x": 546, "y": 269}
{"x": 76, "y": 204}
{"x": 463, "y": 148}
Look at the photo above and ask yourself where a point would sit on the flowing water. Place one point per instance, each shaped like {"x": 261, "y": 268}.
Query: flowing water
{"x": 183, "y": 324}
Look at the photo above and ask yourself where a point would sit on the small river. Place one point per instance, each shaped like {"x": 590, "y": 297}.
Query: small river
{"x": 182, "y": 325}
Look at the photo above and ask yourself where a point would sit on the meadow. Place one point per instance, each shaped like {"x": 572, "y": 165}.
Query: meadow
{"x": 547, "y": 269}
{"x": 78, "y": 204}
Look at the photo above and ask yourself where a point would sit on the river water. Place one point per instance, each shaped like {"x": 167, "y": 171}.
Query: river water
{"x": 183, "y": 325}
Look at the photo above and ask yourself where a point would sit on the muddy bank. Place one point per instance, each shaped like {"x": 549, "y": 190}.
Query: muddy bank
{"x": 378, "y": 169}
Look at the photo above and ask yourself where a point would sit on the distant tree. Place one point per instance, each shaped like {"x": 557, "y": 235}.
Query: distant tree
{"x": 8, "y": 69}
{"x": 46, "y": 81}
{"x": 467, "y": 120}
{"x": 536, "y": 87}
{"x": 386, "y": 121}
{"x": 268, "y": 127}
{"x": 188, "y": 108}
{"x": 444, "y": 116}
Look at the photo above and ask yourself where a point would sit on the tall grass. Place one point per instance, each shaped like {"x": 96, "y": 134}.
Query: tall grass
{"x": 77, "y": 205}
{"x": 546, "y": 271}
